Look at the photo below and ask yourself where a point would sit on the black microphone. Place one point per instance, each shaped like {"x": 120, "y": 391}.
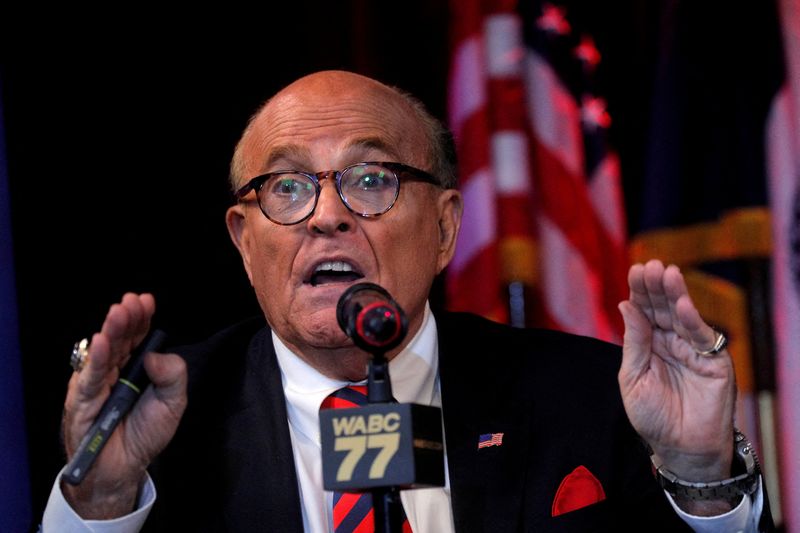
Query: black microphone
{"x": 132, "y": 382}
{"x": 367, "y": 313}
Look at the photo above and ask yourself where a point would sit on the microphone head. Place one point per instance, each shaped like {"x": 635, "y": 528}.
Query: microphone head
{"x": 367, "y": 314}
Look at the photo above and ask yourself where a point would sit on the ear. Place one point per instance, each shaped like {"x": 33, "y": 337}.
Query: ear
{"x": 236, "y": 220}
{"x": 451, "y": 206}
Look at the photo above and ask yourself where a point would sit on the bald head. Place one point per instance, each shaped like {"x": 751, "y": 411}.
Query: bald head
{"x": 352, "y": 103}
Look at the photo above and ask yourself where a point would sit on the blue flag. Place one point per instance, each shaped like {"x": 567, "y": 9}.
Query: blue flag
{"x": 15, "y": 507}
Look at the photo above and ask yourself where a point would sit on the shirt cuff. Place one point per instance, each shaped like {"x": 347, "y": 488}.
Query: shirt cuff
{"x": 743, "y": 518}
{"x": 60, "y": 517}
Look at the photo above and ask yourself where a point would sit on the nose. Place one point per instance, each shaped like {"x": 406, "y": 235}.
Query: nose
{"x": 330, "y": 215}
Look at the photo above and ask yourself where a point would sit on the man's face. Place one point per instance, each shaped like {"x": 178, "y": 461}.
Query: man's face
{"x": 328, "y": 121}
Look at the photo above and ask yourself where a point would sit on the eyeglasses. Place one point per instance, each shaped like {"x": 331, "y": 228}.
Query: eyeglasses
{"x": 288, "y": 197}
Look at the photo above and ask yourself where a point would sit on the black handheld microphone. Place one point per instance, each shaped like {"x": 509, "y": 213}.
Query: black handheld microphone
{"x": 132, "y": 382}
{"x": 367, "y": 313}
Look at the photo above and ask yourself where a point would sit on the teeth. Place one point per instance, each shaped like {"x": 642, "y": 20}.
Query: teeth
{"x": 336, "y": 266}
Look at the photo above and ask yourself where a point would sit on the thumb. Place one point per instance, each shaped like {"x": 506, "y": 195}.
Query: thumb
{"x": 168, "y": 374}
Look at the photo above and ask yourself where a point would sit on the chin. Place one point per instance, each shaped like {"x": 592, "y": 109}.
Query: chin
{"x": 325, "y": 334}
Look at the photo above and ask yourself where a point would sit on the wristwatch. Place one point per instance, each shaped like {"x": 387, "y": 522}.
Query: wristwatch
{"x": 744, "y": 482}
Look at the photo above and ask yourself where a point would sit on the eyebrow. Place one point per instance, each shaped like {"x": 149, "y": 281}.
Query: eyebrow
{"x": 297, "y": 153}
{"x": 292, "y": 152}
{"x": 373, "y": 143}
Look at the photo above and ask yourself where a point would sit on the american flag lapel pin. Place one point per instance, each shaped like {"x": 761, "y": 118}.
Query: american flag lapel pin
{"x": 490, "y": 439}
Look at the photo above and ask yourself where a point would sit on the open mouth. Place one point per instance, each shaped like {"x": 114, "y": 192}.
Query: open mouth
{"x": 334, "y": 272}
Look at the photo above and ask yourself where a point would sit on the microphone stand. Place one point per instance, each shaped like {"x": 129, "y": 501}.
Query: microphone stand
{"x": 386, "y": 502}
{"x": 367, "y": 313}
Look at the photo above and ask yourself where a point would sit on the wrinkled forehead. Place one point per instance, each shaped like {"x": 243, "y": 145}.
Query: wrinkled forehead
{"x": 335, "y": 118}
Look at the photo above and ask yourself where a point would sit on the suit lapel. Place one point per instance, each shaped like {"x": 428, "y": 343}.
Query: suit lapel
{"x": 484, "y": 482}
{"x": 263, "y": 485}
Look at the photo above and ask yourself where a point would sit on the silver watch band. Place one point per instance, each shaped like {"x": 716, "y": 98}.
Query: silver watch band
{"x": 745, "y": 483}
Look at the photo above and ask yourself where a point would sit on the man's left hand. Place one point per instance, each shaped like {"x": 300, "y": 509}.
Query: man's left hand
{"x": 679, "y": 401}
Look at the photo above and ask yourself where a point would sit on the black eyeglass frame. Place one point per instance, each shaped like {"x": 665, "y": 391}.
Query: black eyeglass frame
{"x": 408, "y": 173}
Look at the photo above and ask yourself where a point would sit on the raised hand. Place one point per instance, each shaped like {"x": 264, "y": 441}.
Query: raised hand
{"x": 111, "y": 486}
{"x": 680, "y": 401}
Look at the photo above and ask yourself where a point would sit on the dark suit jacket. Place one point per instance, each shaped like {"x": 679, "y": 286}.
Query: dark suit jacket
{"x": 554, "y": 397}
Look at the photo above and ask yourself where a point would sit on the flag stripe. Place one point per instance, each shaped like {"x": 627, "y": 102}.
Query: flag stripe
{"x": 554, "y": 114}
{"x": 605, "y": 193}
{"x": 512, "y": 168}
{"x": 480, "y": 225}
{"x": 467, "y": 88}
{"x": 570, "y": 287}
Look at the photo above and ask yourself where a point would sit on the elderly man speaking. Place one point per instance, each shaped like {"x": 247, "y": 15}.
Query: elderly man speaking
{"x": 341, "y": 179}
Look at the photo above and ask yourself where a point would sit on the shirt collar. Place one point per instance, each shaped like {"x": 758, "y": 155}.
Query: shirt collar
{"x": 413, "y": 372}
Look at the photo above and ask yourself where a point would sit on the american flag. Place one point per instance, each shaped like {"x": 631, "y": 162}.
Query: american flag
{"x": 543, "y": 211}
{"x": 490, "y": 439}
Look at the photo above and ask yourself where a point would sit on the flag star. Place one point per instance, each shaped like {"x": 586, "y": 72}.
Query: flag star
{"x": 553, "y": 20}
{"x": 593, "y": 112}
{"x": 587, "y": 52}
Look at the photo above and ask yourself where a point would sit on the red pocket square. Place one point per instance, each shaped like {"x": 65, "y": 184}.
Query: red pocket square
{"x": 579, "y": 489}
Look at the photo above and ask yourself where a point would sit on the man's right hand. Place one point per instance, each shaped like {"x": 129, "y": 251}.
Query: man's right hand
{"x": 111, "y": 486}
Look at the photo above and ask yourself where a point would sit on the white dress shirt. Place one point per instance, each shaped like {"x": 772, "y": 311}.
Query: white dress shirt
{"x": 415, "y": 379}
{"x": 414, "y": 373}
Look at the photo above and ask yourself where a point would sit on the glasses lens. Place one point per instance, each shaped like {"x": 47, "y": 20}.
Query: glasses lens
{"x": 288, "y": 197}
{"x": 369, "y": 189}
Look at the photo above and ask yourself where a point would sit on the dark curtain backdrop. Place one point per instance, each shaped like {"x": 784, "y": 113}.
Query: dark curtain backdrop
{"x": 118, "y": 149}
{"x": 120, "y": 127}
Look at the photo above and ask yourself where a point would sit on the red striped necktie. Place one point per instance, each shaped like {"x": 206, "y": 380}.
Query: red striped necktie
{"x": 352, "y": 511}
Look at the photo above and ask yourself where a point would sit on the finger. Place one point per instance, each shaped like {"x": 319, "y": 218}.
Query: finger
{"x": 126, "y": 325}
{"x": 689, "y": 324}
{"x": 115, "y": 331}
{"x": 637, "y": 341}
{"x": 695, "y": 330}
{"x": 141, "y": 308}
{"x": 674, "y": 288}
{"x": 654, "y": 285}
{"x": 638, "y": 291}
{"x": 98, "y": 371}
